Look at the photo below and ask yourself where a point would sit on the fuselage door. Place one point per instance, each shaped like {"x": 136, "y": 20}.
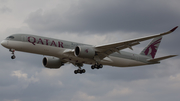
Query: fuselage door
{"x": 23, "y": 38}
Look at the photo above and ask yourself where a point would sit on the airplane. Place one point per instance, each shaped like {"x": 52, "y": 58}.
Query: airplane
{"x": 59, "y": 52}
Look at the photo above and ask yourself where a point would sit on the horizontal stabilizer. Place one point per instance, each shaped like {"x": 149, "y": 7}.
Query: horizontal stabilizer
{"x": 161, "y": 58}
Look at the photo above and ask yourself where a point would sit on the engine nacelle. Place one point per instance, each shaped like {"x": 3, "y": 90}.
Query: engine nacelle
{"x": 52, "y": 62}
{"x": 84, "y": 51}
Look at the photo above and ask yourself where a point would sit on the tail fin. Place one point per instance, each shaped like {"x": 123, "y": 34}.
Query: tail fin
{"x": 152, "y": 48}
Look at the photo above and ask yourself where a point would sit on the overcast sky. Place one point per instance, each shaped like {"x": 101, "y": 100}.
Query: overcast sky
{"x": 93, "y": 22}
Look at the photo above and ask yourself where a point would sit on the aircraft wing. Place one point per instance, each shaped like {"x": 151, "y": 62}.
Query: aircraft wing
{"x": 105, "y": 50}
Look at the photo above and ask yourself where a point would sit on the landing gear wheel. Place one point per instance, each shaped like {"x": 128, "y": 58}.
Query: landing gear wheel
{"x": 80, "y": 71}
{"x": 75, "y": 72}
{"x": 97, "y": 66}
{"x": 100, "y": 66}
{"x": 92, "y": 67}
{"x": 13, "y": 57}
{"x": 83, "y": 71}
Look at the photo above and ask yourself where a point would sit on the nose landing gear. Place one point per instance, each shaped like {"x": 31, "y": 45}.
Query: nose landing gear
{"x": 13, "y": 56}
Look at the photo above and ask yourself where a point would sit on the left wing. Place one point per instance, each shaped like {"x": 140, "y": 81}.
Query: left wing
{"x": 105, "y": 50}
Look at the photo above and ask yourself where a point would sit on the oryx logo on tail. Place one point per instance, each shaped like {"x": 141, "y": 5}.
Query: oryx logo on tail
{"x": 151, "y": 49}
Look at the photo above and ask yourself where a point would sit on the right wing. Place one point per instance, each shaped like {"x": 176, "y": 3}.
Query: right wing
{"x": 105, "y": 50}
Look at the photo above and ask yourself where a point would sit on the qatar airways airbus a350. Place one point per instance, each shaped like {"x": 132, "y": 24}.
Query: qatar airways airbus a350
{"x": 60, "y": 52}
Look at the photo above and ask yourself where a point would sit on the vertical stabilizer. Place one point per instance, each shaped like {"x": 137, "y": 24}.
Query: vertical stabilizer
{"x": 152, "y": 48}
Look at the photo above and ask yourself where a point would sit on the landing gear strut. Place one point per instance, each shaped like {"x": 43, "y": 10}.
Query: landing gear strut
{"x": 97, "y": 66}
{"x": 79, "y": 70}
{"x": 13, "y": 56}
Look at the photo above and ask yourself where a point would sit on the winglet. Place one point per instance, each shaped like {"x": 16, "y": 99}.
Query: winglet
{"x": 172, "y": 30}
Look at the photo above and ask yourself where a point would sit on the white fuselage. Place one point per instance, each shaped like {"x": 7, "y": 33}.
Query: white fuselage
{"x": 57, "y": 48}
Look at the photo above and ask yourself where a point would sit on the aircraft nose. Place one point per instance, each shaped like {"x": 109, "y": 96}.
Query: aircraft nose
{"x": 4, "y": 43}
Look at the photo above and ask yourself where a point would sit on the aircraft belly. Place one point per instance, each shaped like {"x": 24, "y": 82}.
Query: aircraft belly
{"x": 75, "y": 60}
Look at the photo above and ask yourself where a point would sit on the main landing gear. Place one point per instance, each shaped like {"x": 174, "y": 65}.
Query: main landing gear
{"x": 96, "y": 66}
{"x": 13, "y": 56}
{"x": 79, "y": 70}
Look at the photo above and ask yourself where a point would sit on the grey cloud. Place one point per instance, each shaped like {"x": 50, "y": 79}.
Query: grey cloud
{"x": 107, "y": 16}
{"x": 5, "y": 9}
{"x": 3, "y": 1}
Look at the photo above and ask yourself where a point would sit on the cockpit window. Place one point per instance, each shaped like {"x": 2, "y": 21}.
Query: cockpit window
{"x": 11, "y": 37}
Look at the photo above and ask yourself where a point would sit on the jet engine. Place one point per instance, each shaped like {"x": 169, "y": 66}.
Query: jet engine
{"x": 52, "y": 62}
{"x": 84, "y": 51}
